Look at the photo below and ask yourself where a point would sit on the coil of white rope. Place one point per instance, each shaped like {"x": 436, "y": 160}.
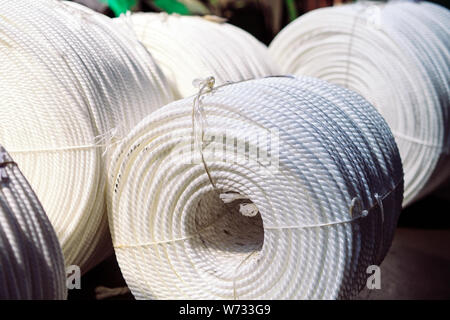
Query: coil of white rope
{"x": 31, "y": 260}
{"x": 187, "y": 47}
{"x": 70, "y": 83}
{"x": 304, "y": 199}
{"x": 397, "y": 56}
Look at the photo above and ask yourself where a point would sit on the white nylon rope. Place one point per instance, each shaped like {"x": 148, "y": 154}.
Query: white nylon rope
{"x": 187, "y": 47}
{"x": 183, "y": 219}
{"x": 397, "y": 56}
{"x": 70, "y": 84}
{"x": 31, "y": 260}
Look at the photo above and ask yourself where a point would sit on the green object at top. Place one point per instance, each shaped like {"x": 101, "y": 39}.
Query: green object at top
{"x": 119, "y": 6}
{"x": 172, "y": 6}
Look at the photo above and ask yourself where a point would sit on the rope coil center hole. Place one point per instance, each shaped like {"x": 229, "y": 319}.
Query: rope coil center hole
{"x": 228, "y": 236}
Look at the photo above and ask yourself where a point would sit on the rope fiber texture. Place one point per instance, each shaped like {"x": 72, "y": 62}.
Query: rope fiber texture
{"x": 210, "y": 224}
{"x": 31, "y": 260}
{"x": 71, "y": 83}
{"x": 396, "y": 55}
{"x": 187, "y": 47}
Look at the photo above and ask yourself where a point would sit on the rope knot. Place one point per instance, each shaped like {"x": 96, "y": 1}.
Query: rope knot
{"x": 356, "y": 209}
{"x": 206, "y": 83}
{"x": 5, "y": 159}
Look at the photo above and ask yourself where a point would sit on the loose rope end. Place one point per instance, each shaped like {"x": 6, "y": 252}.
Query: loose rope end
{"x": 248, "y": 209}
{"x": 215, "y": 19}
{"x": 104, "y": 292}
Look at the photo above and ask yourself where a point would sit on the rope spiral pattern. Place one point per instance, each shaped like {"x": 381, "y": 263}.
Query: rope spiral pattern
{"x": 397, "y": 56}
{"x": 71, "y": 83}
{"x": 195, "y": 47}
{"x": 31, "y": 261}
{"x": 207, "y": 224}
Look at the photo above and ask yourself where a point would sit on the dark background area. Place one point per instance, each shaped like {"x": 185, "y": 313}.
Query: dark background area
{"x": 262, "y": 18}
{"x": 418, "y": 263}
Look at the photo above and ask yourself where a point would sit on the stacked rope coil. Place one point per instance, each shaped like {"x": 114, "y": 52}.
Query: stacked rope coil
{"x": 395, "y": 55}
{"x": 31, "y": 260}
{"x": 301, "y": 216}
{"x": 71, "y": 83}
{"x": 196, "y": 47}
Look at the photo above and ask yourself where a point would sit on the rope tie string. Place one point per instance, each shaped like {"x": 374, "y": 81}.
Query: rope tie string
{"x": 105, "y": 140}
{"x": 444, "y": 149}
{"x": 199, "y": 119}
{"x": 235, "y": 295}
{"x": 228, "y": 198}
{"x": 380, "y": 204}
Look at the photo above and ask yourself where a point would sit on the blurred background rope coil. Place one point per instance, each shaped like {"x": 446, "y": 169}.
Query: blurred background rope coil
{"x": 196, "y": 47}
{"x": 327, "y": 194}
{"x": 31, "y": 260}
{"x": 396, "y": 55}
{"x": 71, "y": 83}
